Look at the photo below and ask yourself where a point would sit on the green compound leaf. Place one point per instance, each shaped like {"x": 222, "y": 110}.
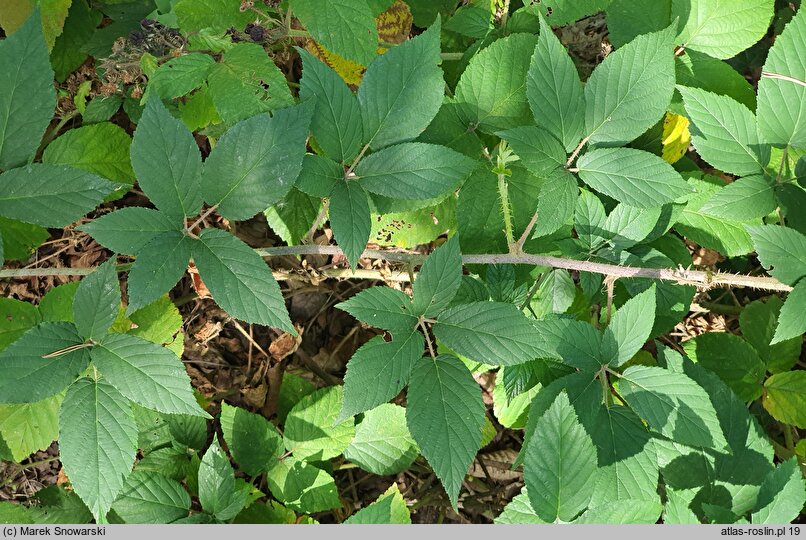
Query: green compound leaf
{"x": 785, "y": 397}
{"x": 27, "y": 376}
{"x": 102, "y": 149}
{"x": 732, "y": 359}
{"x": 180, "y": 76}
{"x": 252, "y": 440}
{"x": 29, "y": 427}
{"x": 346, "y": 27}
{"x": 378, "y": 371}
{"x": 414, "y": 171}
{"x": 390, "y": 508}
{"x": 303, "y": 487}
{"x": 311, "y": 431}
{"x": 146, "y": 373}
{"x": 781, "y": 102}
{"x": 50, "y": 195}
{"x": 721, "y": 29}
{"x": 402, "y": 91}
{"x": 16, "y": 318}
{"x": 673, "y": 404}
{"x": 382, "y": 443}
{"x": 336, "y": 122}
{"x": 445, "y": 414}
{"x": 128, "y": 230}
{"x": 554, "y": 91}
{"x": 791, "y": 322}
{"x": 782, "y": 495}
{"x": 159, "y": 265}
{"x": 539, "y": 151}
{"x": 747, "y": 198}
{"x": 491, "y": 333}
{"x": 438, "y": 280}
{"x": 27, "y": 95}
{"x": 255, "y": 163}
{"x": 239, "y": 280}
{"x": 491, "y": 94}
{"x": 724, "y": 132}
{"x": 167, "y": 161}
{"x": 97, "y": 443}
{"x": 633, "y": 177}
{"x": 217, "y": 489}
{"x": 781, "y": 250}
{"x": 630, "y": 328}
{"x": 350, "y": 219}
{"x": 149, "y": 497}
{"x": 560, "y": 464}
{"x": 629, "y": 92}
{"x": 246, "y": 82}
{"x": 382, "y": 307}
{"x": 97, "y": 302}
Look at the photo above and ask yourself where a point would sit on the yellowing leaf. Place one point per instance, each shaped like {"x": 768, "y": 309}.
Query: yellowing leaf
{"x": 54, "y": 12}
{"x": 676, "y": 137}
{"x": 394, "y": 26}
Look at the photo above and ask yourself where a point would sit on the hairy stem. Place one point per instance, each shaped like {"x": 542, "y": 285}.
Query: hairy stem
{"x": 503, "y": 194}
{"x": 576, "y": 152}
